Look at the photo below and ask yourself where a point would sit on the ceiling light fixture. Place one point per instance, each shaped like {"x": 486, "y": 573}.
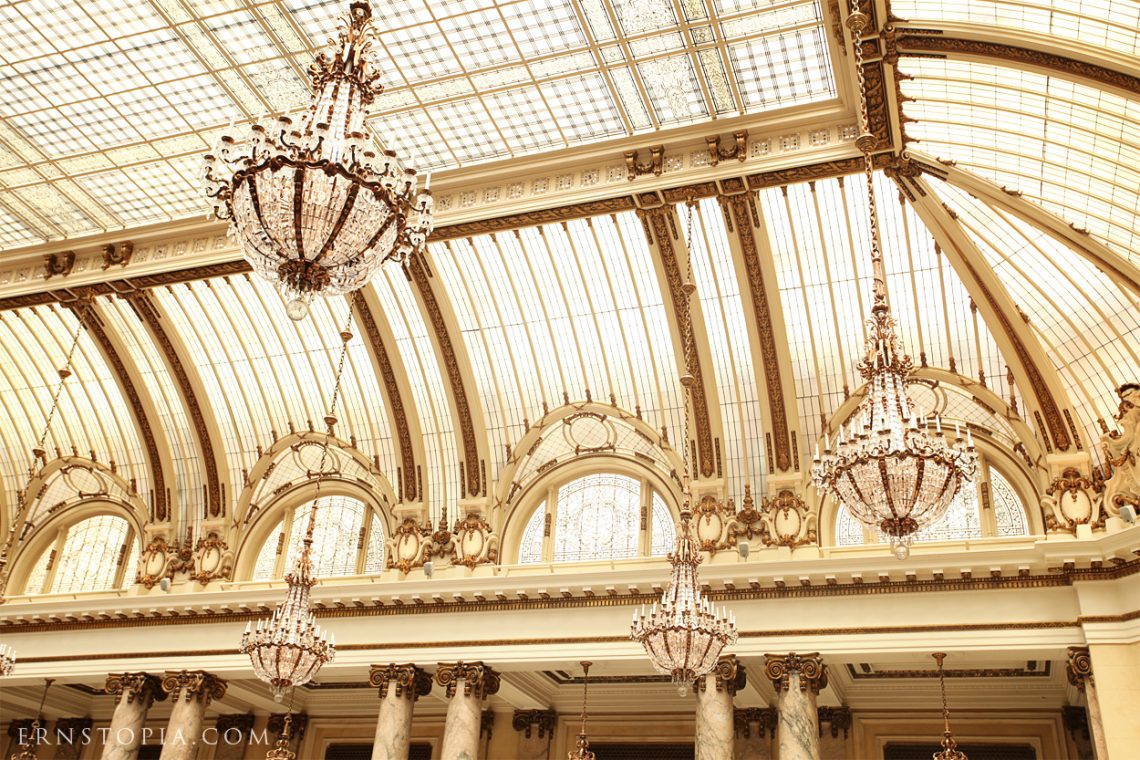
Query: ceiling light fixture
{"x": 582, "y": 751}
{"x": 685, "y": 635}
{"x": 314, "y": 208}
{"x": 31, "y": 736}
{"x": 892, "y": 468}
{"x": 950, "y": 749}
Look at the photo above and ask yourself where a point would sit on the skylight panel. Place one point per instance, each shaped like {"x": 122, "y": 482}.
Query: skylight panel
{"x": 420, "y": 52}
{"x": 413, "y": 134}
{"x": 22, "y": 38}
{"x": 160, "y": 56}
{"x": 638, "y": 16}
{"x": 524, "y": 119}
{"x": 479, "y": 39}
{"x": 118, "y": 19}
{"x": 468, "y": 130}
{"x": 583, "y": 108}
{"x": 14, "y": 232}
{"x": 787, "y": 68}
{"x": 559, "y": 31}
{"x": 673, "y": 89}
{"x": 64, "y": 24}
{"x": 242, "y": 37}
{"x": 199, "y": 100}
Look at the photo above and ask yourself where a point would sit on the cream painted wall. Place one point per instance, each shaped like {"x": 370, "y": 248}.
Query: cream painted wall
{"x": 1116, "y": 674}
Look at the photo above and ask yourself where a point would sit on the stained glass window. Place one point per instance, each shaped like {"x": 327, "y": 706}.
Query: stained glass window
{"x": 664, "y": 531}
{"x": 339, "y": 539}
{"x": 530, "y": 548}
{"x": 88, "y": 559}
{"x": 1009, "y": 512}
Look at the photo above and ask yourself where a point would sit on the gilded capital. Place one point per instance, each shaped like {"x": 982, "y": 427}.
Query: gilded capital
{"x": 477, "y": 678}
{"x": 411, "y": 682}
{"x": 527, "y": 721}
{"x": 729, "y": 674}
{"x": 141, "y": 686}
{"x": 765, "y": 718}
{"x": 193, "y": 684}
{"x": 809, "y": 667}
{"x": 838, "y": 718}
{"x": 1079, "y": 667}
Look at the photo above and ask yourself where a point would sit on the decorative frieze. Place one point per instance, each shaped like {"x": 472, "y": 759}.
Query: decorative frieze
{"x": 478, "y": 679}
{"x": 809, "y": 667}
{"x": 409, "y": 681}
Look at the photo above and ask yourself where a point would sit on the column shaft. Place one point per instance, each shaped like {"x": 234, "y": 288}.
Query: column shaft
{"x": 714, "y": 721}
{"x": 400, "y": 686}
{"x": 798, "y": 680}
{"x": 190, "y": 693}
{"x": 135, "y": 692}
{"x": 467, "y": 684}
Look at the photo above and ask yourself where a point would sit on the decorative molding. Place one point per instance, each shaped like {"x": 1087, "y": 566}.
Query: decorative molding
{"x": 912, "y": 43}
{"x": 837, "y": 718}
{"x": 1078, "y": 667}
{"x": 712, "y": 521}
{"x": 660, "y": 223}
{"x": 472, "y": 477}
{"x": 145, "y": 309}
{"x": 158, "y": 560}
{"x": 408, "y": 483}
{"x": 739, "y": 149}
{"x": 526, "y": 721}
{"x": 119, "y": 255}
{"x": 58, "y": 264}
{"x": 810, "y": 669}
{"x": 409, "y": 547}
{"x": 478, "y": 679}
{"x": 1071, "y": 500}
{"x": 767, "y": 719}
{"x": 867, "y": 672}
{"x": 411, "y": 682}
{"x": 728, "y": 674}
{"x": 192, "y": 685}
{"x": 473, "y": 542}
{"x": 141, "y": 686}
{"x": 785, "y": 520}
{"x": 213, "y": 559}
{"x": 655, "y": 166}
{"x": 1122, "y": 453}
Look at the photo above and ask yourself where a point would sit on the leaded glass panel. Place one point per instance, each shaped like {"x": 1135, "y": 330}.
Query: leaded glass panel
{"x": 36, "y": 578}
{"x": 597, "y": 518}
{"x": 530, "y": 548}
{"x": 90, "y": 557}
{"x": 1009, "y": 512}
{"x": 960, "y": 523}
{"x": 337, "y": 538}
{"x": 663, "y": 531}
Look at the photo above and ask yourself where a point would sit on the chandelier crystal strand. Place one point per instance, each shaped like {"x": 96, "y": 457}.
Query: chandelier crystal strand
{"x": 23, "y": 498}
{"x": 289, "y": 648}
{"x": 582, "y": 750}
{"x": 950, "y": 749}
{"x": 314, "y": 208}
{"x": 893, "y": 468}
{"x": 685, "y": 635}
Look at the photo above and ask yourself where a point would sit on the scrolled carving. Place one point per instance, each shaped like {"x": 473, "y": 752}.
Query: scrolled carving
{"x": 158, "y": 560}
{"x": 1070, "y": 500}
{"x": 193, "y": 684}
{"x": 838, "y": 718}
{"x": 478, "y": 679}
{"x": 1122, "y": 453}
{"x": 711, "y": 524}
{"x": 117, "y": 255}
{"x": 766, "y": 717}
{"x": 728, "y": 674}
{"x": 527, "y": 720}
{"x": 131, "y": 686}
{"x": 738, "y": 150}
{"x": 655, "y": 166}
{"x": 790, "y": 521}
{"x": 410, "y": 682}
{"x": 809, "y": 667}
{"x": 1079, "y": 667}
{"x": 212, "y": 559}
{"x": 58, "y": 264}
{"x": 474, "y": 542}
{"x": 409, "y": 547}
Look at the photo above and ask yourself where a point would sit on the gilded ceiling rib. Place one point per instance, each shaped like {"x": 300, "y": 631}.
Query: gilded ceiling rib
{"x": 151, "y": 433}
{"x": 186, "y": 380}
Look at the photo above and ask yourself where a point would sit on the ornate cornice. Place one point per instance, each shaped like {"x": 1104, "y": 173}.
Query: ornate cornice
{"x": 242, "y": 722}
{"x": 409, "y": 485}
{"x": 141, "y": 686}
{"x": 729, "y": 675}
{"x": 1079, "y": 668}
{"x": 191, "y": 685}
{"x": 472, "y": 477}
{"x": 532, "y": 218}
{"x": 660, "y": 223}
{"x": 526, "y": 721}
{"x": 411, "y": 682}
{"x": 837, "y": 718}
{"x": 939, "y": 45}
{"x": 143, "y": 306}
{"x": 85, "y": 311}
{"x": 478, "y": 679}
{"x": 809, "y": 668}
{"x": 767, "y": 719}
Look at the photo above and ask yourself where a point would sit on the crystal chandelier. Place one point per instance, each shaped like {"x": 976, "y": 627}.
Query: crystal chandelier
{"x": 684, "y": 636}
{"x": 582, "y": 751}
{"x": 289, "y": 648}
{"x": 314, "y": 208}
{"x": 950, "y": 749}
{"x": 7, "y": 660}
{"x": 892, "y": 468}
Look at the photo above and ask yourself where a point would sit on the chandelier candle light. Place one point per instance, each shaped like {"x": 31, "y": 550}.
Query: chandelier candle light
{"x": 289, "y": 648}
{"x": 891, "y": 467}
{"x": 685, "y": 634}
{"x": 314, "y": 208}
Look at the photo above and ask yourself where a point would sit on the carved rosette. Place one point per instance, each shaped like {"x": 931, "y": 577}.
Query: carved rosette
{"x": 473, "y": 542}
{"x": 410, "y": 546}
{"x": 711, "y": 521}
{"x": 410, "y": 682}
{"x": 1079, "y": 667}
{"x": 478, "y": 679}
{"x": 193, "y": 684}
{"x": 730, "y": 676}
{"x": 1070, "y": 500}
{"x": 837, "y": 718}
{"x": 158, "y": 560}
{"x": 212, "y": 559}
{"x": 810, "y": 668}
{"x": 766, "y": 719}
{"x": 141, "y": 686}
{"x": 526, "y": 721}
{"x": 1122, "y": 453}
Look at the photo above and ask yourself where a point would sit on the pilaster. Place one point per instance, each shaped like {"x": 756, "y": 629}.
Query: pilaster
{"x": 536, "y": 731}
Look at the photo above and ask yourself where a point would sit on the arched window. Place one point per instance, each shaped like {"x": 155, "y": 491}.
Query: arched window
{"x": 597, "y": 517}
{"x": 96, "y": 554}
{"x": 1009, "y": 513}
{"x": 348, "y": 539}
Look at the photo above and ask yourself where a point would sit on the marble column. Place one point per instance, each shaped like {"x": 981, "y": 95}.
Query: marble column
{"x": 400, "y": 686}
{"x": 754, "y": 729}
{"x": 191, "y": 691}
{"x": 232, "y": 735}
{"x": 834, "y": 731}
{"x": 134, "y": 694}
{"x": 1076, "y": 721}
{"x": 536, "y": 730}
{"x": 466, "y": 684}
{"x": 714, "y": 693}
{"x": 798, "y": 679}
{"x": 1079, "y": 670}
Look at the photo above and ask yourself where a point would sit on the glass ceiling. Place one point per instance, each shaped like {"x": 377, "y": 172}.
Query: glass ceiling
{"x": 108, "y": 107}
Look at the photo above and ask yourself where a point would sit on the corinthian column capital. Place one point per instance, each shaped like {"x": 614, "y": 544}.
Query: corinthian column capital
{"x": 411, "y": 682}
{"x": 478, "y": 679}
{"x": 193, "y": 684}
{"x": 135, "y": 686}
{"x": 809, "y": 667}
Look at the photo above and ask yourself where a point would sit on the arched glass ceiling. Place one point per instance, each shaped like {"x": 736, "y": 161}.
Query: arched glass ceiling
{"x": 1088, "y": 325}
{"x": 107, "y": 109}
{"x": 93, "y": 416}
{"x": 1110, "y": 24}
{"x": 818, "y": 233}
{"x": 1072, "y": 148}
{"x": 263, "y": 372}
{"x": 557, "y": 312}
